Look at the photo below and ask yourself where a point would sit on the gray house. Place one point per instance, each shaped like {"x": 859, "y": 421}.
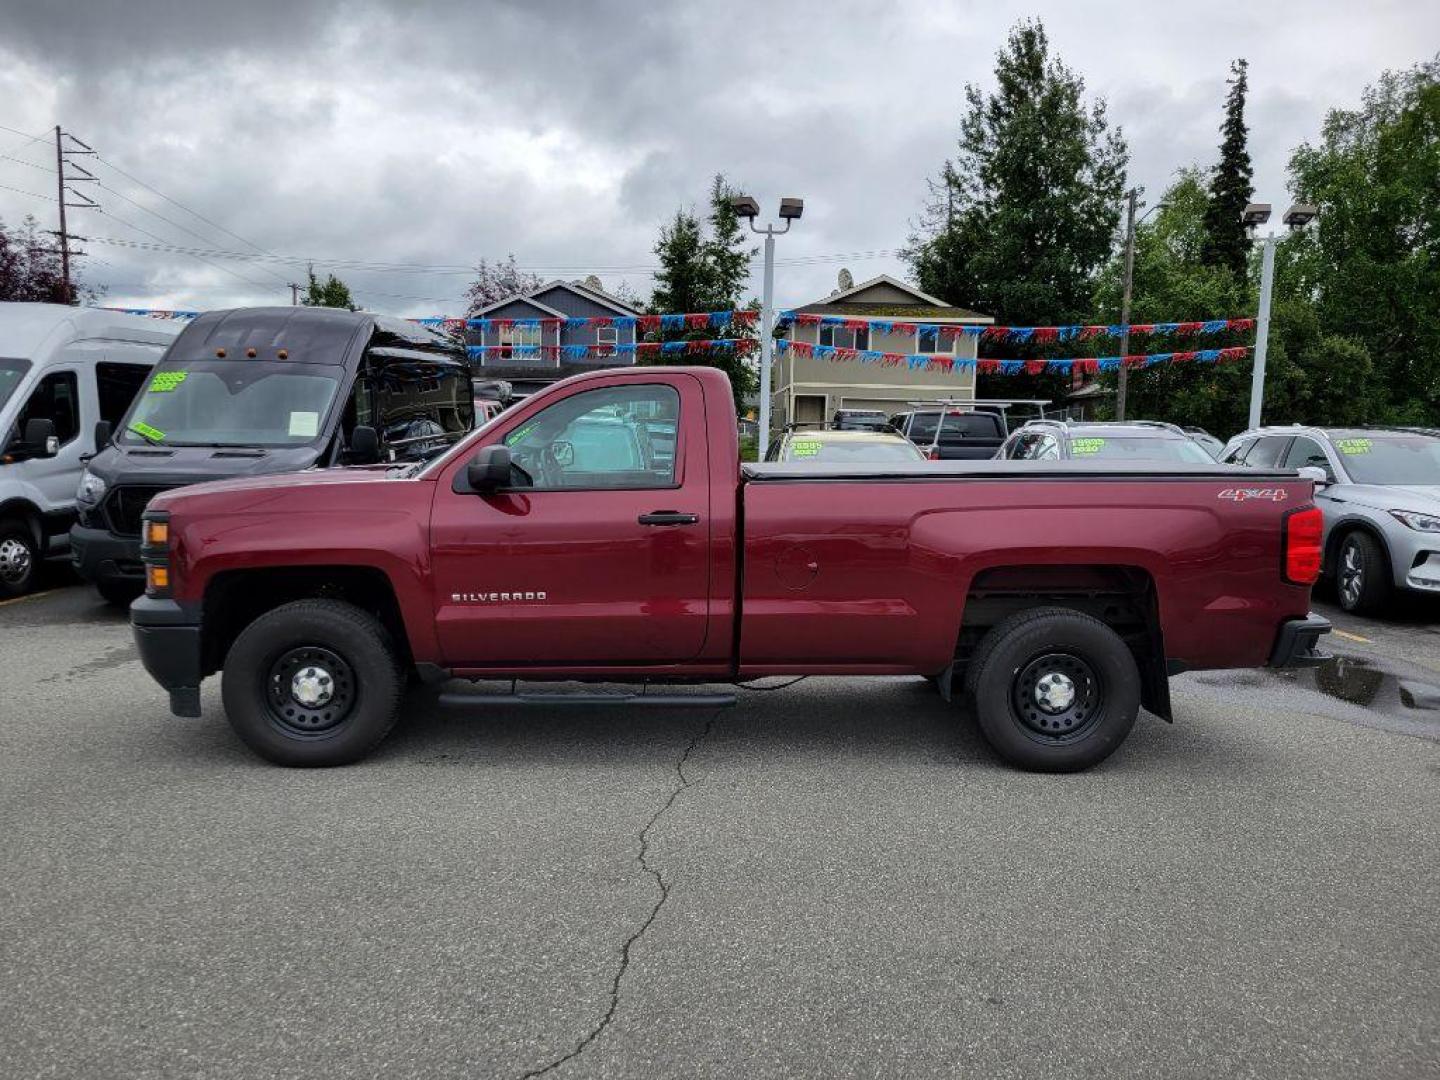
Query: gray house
{"x": 528, "y": 352}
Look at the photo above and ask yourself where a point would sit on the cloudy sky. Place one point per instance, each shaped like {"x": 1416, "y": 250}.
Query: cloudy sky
{"x": 419, "y": 137}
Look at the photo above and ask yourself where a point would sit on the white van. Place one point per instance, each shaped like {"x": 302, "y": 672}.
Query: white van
{"x": 64, "y": 372}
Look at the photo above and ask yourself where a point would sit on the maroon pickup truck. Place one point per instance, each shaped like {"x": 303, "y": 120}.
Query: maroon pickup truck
{"x": 605, "y": 530}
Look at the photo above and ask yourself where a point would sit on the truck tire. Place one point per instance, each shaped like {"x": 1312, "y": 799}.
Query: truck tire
{"x": 19, "y": 559}
{"x": 1054, "y": 690}
{"x": 1362, "y": 574}
{"x": 312, "y": 683}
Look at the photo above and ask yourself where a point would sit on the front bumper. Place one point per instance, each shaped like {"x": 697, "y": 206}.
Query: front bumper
{"x": 99, "y": 555}
{"x": 1296, "y": 643}
{"x": 167, "y": 635}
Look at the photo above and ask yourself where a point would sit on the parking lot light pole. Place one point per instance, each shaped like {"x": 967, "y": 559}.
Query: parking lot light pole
{"x": 1255, "y": 215}
{"x": 790, "y": 210}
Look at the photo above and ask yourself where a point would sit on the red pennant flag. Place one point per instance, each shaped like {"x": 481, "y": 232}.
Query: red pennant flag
{"x": 1181, "y": 357}
{"x": 808, "y": 320}
{"x": 1090, "y": 333}
{"x": 1142, "y": 328}
{"x": 1045, "y": 333}
{"x": 697, "y": 321}
{"x": 1134, "y": 360}
{"x": 1240, "y": 324}
{"x": 892, "y": 359}
{"x": 647, "y": 346}
{"x": 1034, "y": 367}
{"x": 995, "y": 333}
{"x": 987, "y": 367}
{"x": 1085, "y": 364}
{"x": 1189, "y": 327}
{"x": 648, "y": 322}
{"x": 906, "y": 328}
{"x": 745, "y": 317}
{"x": 943, "y": 363}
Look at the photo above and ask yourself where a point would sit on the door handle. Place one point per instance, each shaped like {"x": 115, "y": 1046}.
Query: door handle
{"x": 669, "y": 517}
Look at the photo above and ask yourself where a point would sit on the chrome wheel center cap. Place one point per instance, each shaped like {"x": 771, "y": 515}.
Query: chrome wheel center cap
{"x": 1055, "y": 692}
{"x": 312, "y": 687}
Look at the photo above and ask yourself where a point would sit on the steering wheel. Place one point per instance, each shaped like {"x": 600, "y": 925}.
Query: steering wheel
{"x": 552, "y": 473}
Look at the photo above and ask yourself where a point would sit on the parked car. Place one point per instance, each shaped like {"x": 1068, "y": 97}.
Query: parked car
{"x": 952, "y": 433}
{"x": 1213, "y": 446}
{"x": 860, "y": 420}
{"x": 1139, "y": 441}
{"x": 1379, "y": 490}
{"x": 63, "y": 372}
{"x": 842, "y": 447}
{"x": 257, "y": 391}
{"x": 1056, "y": 600}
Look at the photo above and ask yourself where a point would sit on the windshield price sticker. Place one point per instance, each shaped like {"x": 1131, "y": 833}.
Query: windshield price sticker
{"x": 805, "y": 447}
{"x": 142, "y": 428}
{"x": 1354, "y": 446}
{"x": 306, "y": 424}
{"x": 1087, "y": 446}
{"x": 165, "y": 381}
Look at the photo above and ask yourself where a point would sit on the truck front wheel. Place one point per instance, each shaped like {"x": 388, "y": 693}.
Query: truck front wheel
{"x": 312, "y": 683}
{"x": 1054, "y": 690}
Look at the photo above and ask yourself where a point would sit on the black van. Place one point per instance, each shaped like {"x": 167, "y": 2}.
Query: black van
{"x": 266, "y": 390}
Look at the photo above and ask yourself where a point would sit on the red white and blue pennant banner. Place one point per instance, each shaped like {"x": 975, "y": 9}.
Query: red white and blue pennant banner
{"x": 940, "y": 362}
{"x": 154, "y": 313}
{"x": 624, "y": 348}
{"x": 699, "y": 320}
{"x": 1035, "y": 335}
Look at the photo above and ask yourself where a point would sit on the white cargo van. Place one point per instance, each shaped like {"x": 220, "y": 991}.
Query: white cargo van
{"x": 67, "y": 375}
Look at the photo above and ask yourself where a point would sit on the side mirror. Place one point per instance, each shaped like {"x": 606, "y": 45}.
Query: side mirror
{"x": 364, "y": 445}
{"x": 490, "y": 470}
{"x": 40, "y": 438}
{"x": 1315, "y": 473}
{"x": 103, "y": 431}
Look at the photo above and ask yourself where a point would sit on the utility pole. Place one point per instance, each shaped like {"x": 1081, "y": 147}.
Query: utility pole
{"x": 63, "y": 192}
{"x": 1262, "y": 330}
{"x": 294, "y": 295}
{"x": 1123, "y": 379}
{"x": 66, "y": 293}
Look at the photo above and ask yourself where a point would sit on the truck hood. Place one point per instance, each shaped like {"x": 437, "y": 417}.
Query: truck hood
{"x": 174, "y": 466}
{"x": 310, "y": 478}
{"x": 1423, "y": 499}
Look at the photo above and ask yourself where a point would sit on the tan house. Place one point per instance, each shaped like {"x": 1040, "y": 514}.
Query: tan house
{"x": 807, "y": 389}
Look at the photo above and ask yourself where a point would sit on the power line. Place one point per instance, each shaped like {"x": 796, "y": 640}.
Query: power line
{"x": 32, "y": 194}
{"x": 146, "y": 232}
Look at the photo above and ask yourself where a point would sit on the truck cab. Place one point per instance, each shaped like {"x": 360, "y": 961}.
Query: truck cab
{"x": 63, "y": 371}
{"x": 261, "y": 391}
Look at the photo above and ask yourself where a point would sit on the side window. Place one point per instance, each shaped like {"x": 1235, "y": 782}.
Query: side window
{"x": 116, "y": 386}
{"x": 1236, "y": 456}
{"x": 57, "y": 399}
{"x": 1305, "y": 451}
{"x": 898, "y": 422}
{"x": 923, "y": 425}
{"x": 618, "y": 437}
{"x": 1047, "y": 450}
{"x": 1267, "y": 452}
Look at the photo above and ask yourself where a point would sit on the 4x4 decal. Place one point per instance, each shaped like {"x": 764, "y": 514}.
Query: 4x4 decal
{"x": 1246, "y": 494}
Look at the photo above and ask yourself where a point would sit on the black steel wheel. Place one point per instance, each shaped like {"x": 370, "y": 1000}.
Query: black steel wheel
{"x": 1053, "y": 689}
{"x": 314, "y": 682}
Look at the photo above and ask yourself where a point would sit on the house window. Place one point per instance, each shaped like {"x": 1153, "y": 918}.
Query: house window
{"x": 517, "y": 335}
{"x": 842, "y": 338}
{"x": 605, "y": 340}
{"x": 928, "y": 343}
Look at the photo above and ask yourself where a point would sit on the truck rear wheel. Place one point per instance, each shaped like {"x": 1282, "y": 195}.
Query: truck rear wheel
{"x": 312, "y": 683}
{"x": 1054, "y": 690}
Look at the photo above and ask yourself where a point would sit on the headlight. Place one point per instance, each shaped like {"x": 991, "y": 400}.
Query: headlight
{"x": 91, "y": 489}
{"x": 1416, "y": 521}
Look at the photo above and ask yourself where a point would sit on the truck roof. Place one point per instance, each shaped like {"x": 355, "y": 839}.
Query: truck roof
{"x": 25, "y": 327}
{"x": 313, "y": 335}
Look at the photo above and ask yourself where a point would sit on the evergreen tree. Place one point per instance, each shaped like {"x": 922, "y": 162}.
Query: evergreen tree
{"x": 683, "y": 281}
{"x": 726, "y": 250}
{"x": 1026, "y": 213}
{"x": 1226, "y": 244}
{"x": 332, "y": 293}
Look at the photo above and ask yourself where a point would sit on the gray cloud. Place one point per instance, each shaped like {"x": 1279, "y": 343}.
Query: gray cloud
{"x": 439, "y": 133}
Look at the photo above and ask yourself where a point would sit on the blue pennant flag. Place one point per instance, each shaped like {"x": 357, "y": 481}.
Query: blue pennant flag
{"x": 625, "y": 348}
{"x": 882, "y": 326}
{"x": 1012, "y": 367}
{"x": 1214, "y": 326}
{"x": 672, "y": 322}
{"x": 781, "y": 344}
{"x": 928, "y": 331}
{"x": 1022, "y": 333}
{"x": 963, "y": 363}
{"x": 785, "y": 318}
{"x": 719, "y": 318}
{"x": 674, "y": 346}
{"x": 871, "y": 356}
{"x": 1208, "y": 356}
{"x": 574, "y": 352}
{"x": 824, "y": 352}
{"x": 1158, "y": 358}
{"x": 623, "y": 322}
{"x": 1109, "y": 363}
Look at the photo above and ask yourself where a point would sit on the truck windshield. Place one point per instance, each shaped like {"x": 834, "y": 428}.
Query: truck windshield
{"x": 232, "y": 403}
{"x": 11, "y": 373}
{"x": 1391, "y": 459}
{"x": 1110, "y": 448}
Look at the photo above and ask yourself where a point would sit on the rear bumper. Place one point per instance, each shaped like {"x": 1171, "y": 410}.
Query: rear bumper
{"x": 99, "y": 555}
{"x": 1296, "y": 645}
{"x": 167, "y": 636}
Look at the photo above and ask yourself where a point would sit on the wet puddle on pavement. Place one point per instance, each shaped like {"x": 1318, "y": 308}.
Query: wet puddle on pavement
{"x": 1360, "y": 681}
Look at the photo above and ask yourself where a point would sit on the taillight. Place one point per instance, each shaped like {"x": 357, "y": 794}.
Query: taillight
{"x": 1303, "y": 529}
{"x": 933, "y": 453}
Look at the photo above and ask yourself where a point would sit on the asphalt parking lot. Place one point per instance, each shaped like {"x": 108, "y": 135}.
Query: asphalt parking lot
{"x": 836, "y": 879}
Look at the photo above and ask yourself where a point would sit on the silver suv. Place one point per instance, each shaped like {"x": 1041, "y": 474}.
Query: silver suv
{"x": 1379, "y": 489}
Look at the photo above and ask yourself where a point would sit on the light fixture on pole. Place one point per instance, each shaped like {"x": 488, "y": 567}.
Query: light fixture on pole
{"x": 1255, "y": 215}
{"x": 790, "y": 210}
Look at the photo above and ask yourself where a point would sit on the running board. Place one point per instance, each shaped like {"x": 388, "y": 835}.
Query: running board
{"x": 553, "y": 700}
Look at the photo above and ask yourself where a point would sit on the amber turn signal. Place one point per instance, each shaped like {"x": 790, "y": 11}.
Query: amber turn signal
{"x": 157, "y": 533}
{"x": 157, "y": 578}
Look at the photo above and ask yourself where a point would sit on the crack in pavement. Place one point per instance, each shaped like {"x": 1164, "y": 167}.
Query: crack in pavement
{"x": 630, "y": 942}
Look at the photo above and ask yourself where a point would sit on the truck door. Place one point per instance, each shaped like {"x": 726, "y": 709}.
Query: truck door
{"x": 601, "y": 552}
{"x": 55, "y": 397}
